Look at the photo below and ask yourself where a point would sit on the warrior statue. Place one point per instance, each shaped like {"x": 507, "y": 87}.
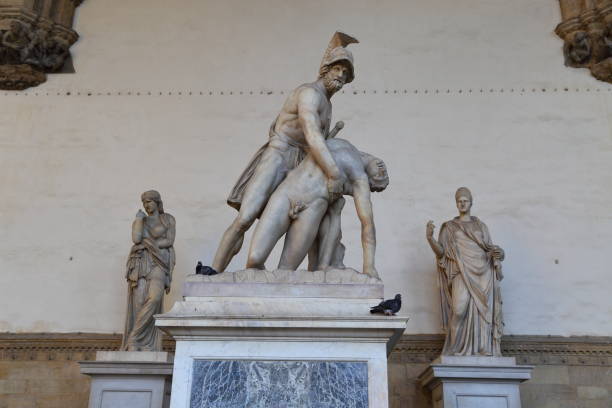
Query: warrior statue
{"x": 302, "y": 125}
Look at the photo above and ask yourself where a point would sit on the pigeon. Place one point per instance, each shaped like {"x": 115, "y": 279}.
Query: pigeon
{"x": 205, "y": 270}
{"x": 388, "y": 307}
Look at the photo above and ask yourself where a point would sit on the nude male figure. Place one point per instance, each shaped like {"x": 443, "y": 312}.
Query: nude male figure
{"x": 300, "y": 202}
{"x": 302, "y": 125}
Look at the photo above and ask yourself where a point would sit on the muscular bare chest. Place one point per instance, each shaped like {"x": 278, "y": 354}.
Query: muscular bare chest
{"x": 288, "y": 121}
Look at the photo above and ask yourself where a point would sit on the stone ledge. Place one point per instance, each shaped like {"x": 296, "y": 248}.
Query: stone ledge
{"x": 135, "y": 356}
{"x": 253, "y": 320}
{"x": 260, "y": 294}
{"x": 479, "y": 368}
{"x": 480, "y": 361}
{"x": 435, "y": 372}
{"x": 412, "y": 348}
{"x": 331, "y": 276}
{"x": 125, "y": 368}
{"x": 195, "y": 289}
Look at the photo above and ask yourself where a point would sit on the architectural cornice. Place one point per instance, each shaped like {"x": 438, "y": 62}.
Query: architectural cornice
{"x": 538, "y": 350}
{"x": 422, "y": 348}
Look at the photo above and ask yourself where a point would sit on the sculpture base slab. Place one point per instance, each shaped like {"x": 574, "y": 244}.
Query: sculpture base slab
{"x": 288, "y": 343}
{"x": 475, "y": 381}
{"x": 134, "y": 379}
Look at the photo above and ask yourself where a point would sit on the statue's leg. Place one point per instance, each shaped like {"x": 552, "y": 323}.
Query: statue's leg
{"x": 313, "y": 256}
{"x": 302, "y": 234}
{"x": 144, "y": 335}
{"x": 136, "y": 299}
{"x": 338, "y": 258}
{"x": 314, "y": 252}
{"x": 266, "y": 177}
{"x": 461, "y": 323}
{"x": 332, "y": 233}
{"x": 272, "y": 224}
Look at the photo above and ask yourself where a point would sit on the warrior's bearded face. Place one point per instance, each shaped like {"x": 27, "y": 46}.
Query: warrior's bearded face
{"x": 336, "y": 76}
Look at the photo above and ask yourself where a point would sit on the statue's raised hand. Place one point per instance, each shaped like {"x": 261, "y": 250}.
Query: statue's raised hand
{"x": 140, "y": 214}
{"x": 430, "y": 229}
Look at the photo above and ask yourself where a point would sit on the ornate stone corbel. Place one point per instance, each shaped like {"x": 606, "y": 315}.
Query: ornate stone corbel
{"x": 586, "y": 30}
{"x": 35, "y": 39}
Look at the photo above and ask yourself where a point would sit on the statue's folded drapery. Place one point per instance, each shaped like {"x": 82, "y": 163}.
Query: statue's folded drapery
{"x": 469, "y": 288}
{"x": 149, "y": 273}
{"x": 292, "y": 151}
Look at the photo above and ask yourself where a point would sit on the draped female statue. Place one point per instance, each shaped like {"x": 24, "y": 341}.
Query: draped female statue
{"x": 469, "y": 271}
{"x": 149, "y": 273}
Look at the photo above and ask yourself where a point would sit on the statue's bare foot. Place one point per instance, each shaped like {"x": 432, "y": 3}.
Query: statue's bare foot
{"x": 372, "y": 273}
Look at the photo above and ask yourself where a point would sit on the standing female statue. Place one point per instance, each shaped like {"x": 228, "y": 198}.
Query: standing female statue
{"x": 149, "y": 273}
{"x": 469, "y": 267}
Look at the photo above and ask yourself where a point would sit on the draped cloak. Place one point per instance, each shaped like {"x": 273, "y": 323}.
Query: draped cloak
{"x": 469, "y": 289}
{"x": 149, "y": 273}
{"x": 293, "y": 153}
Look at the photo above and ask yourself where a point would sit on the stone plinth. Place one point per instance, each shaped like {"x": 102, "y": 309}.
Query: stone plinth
{"x": 475, "y": 382}
{"x": 138, "y": 379}
{"x": 281, "y": 338}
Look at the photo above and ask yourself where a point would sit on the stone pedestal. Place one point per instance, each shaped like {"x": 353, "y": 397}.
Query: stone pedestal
{"x": 280, "y": 339}
{"x": 125, "y": 379}
{"x": 475, "y": 382}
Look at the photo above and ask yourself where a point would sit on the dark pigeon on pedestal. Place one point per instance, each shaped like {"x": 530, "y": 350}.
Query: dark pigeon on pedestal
{"x": 205, "y": 270}
{"x": 388, "y": 307}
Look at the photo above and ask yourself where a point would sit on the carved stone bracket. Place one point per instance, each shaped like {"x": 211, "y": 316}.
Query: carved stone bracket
{"x": 586, "y": 30}
{"x": 35, "y": 39}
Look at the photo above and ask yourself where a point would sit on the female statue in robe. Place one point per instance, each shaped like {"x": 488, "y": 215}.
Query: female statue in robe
{"x": 149, "y": 273}
{"x": 469, "y": 271}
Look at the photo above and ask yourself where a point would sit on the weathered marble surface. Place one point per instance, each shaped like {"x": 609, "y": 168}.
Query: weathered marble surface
{"x": 135, "y": 356}
{"x": 301, "y": 127}
{"x": 333, "y": 283}
{"x": 347, "y": 275}
{"x": 134, "y": 379}
{"x": 469, "y": 275}
{"x": 148, "y": 273}
{"x": 299, "y": 384}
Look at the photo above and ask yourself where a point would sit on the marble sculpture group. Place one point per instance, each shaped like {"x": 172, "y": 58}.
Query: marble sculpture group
{"x": 295, "y": 185}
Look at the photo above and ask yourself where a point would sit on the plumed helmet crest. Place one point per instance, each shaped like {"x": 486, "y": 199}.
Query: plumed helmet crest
{"x": 336, "y": 51}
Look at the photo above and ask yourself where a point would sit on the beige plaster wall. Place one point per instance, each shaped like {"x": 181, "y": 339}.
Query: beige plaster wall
{"x": 74, "y": 159}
